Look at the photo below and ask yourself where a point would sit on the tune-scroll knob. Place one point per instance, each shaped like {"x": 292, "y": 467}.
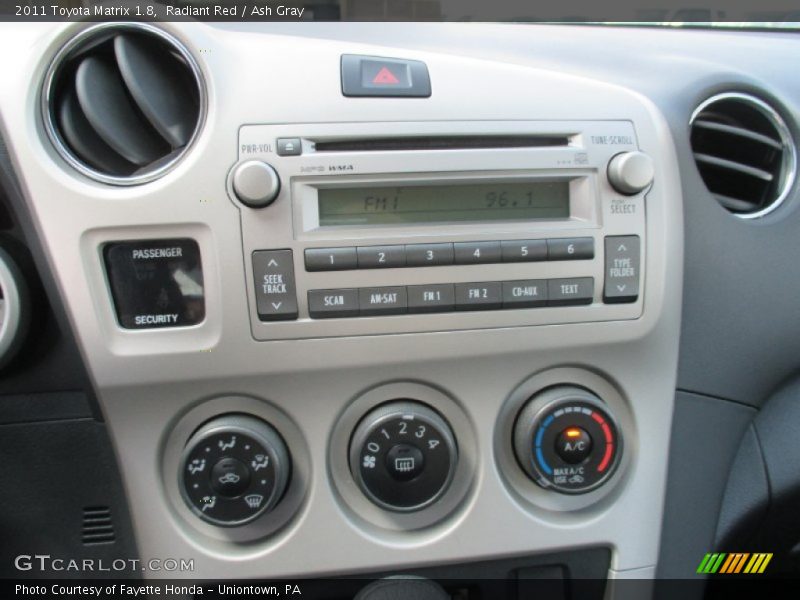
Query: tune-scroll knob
{"x": 567, "y": 440}
{"x": 403, "y": 456}
{"x": 235, "y": 468}
{"x": 255, "y": 183}
{"x": 631, "y": 172}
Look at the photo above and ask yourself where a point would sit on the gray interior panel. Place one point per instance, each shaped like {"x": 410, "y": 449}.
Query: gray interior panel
{"x": 714, "y": 324}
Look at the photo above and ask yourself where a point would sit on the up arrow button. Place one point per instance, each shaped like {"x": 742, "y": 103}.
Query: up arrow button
{"x": 273, "y": 276}
{"x": 622, "y": 268}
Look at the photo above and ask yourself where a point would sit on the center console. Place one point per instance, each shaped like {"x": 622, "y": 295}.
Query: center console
{"x": 353, "y": 328}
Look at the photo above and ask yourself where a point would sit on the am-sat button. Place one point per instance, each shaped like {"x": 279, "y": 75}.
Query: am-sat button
{"x": 383, "y": 300}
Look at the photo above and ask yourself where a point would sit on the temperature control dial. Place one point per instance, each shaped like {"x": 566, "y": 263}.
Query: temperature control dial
{"x": 403, "y": 456}
{"x": 235, "y": 468}
{"x": 566, "y": 439}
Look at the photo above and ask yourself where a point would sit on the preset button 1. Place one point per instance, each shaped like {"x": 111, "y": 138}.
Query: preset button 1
{"x": 331, "y": 259}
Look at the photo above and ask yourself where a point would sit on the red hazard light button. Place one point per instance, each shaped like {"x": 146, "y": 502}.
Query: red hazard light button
{"x": 387, "y": 77}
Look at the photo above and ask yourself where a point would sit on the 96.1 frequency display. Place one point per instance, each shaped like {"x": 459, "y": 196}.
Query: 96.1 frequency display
{"x": 386, "y": 205}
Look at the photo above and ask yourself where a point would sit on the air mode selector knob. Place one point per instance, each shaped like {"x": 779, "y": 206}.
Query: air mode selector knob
{"x": 403, "y": 456}
{"x": 567, "y": 440}
{"x": 255, "y": 183}
{"x": 631, "y": 172}
{"x": 235, "y": 468}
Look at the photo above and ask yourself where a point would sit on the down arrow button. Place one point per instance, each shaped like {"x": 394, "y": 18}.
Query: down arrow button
{"x": 273, "y": 274}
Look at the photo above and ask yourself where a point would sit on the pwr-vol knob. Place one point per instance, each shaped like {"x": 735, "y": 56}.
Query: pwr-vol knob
{"x": 566, "y": 439}
{"x": 403, "y": 456}
{"x": 235, "y": 468}
{"x": 255, "y": 183}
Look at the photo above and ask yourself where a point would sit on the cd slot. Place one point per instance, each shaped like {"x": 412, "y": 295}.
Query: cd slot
{"x": 442, "y": 143}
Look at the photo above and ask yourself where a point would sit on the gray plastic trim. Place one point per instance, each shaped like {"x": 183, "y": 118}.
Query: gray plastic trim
{"x": 151, "y": 384}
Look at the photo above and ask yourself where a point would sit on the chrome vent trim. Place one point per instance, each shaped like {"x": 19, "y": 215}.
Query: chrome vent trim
{"x": 767, "y": 164}
{"x": 83, "y": 42}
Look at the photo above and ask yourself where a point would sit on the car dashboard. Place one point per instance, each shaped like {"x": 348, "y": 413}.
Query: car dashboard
{"x": 342, "y": 300}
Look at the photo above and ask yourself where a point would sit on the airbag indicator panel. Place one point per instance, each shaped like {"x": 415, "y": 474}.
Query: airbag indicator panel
{"x": 156, "y": 283}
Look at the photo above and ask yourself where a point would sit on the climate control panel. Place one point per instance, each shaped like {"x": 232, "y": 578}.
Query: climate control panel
{"x": 567, "y": 440}
{"x": 403, "y": 456}
{"x": 235, "y": 469}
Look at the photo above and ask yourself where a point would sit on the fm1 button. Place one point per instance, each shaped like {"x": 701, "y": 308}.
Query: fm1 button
{"x": 404, "y": 462}
{"x": 573, "y": 445}
{"x": 230, "y": 477}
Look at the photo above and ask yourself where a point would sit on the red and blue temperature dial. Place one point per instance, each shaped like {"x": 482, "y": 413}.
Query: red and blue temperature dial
{"x": 567, "y": 440}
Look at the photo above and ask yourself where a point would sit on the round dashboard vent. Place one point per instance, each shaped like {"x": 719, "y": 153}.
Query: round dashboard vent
{"x": 123, "y": 102}
{"x": 744, "y": 152}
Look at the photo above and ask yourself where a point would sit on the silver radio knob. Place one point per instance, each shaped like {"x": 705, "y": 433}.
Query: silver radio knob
{"x": 631, "y": 172}
{"x": 255, "y": 183}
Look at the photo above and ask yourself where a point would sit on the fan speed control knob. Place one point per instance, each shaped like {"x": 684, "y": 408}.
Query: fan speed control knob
{"x": 235, "y": 468}
{"x": 403, "y": 456}
{"x": 631, "y": 172}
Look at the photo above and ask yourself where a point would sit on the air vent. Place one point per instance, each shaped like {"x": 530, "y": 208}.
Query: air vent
{"x": 744, "y": 152}
{"x": 123, "y": 102}
{"x": 97, "y": 526}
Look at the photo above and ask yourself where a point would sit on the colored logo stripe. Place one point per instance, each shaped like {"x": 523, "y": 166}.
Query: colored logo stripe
{"x": 711, "y": 562}
{"x": 722, "y": 562}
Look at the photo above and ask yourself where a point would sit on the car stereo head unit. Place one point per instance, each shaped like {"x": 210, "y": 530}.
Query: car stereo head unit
{"x": 360, "y": 228}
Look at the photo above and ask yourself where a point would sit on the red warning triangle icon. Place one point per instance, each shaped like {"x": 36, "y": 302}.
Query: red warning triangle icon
{"x": 385, "y": 77}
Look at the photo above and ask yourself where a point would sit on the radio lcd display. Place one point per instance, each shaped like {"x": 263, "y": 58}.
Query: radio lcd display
{"x": 387, "y": 205}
